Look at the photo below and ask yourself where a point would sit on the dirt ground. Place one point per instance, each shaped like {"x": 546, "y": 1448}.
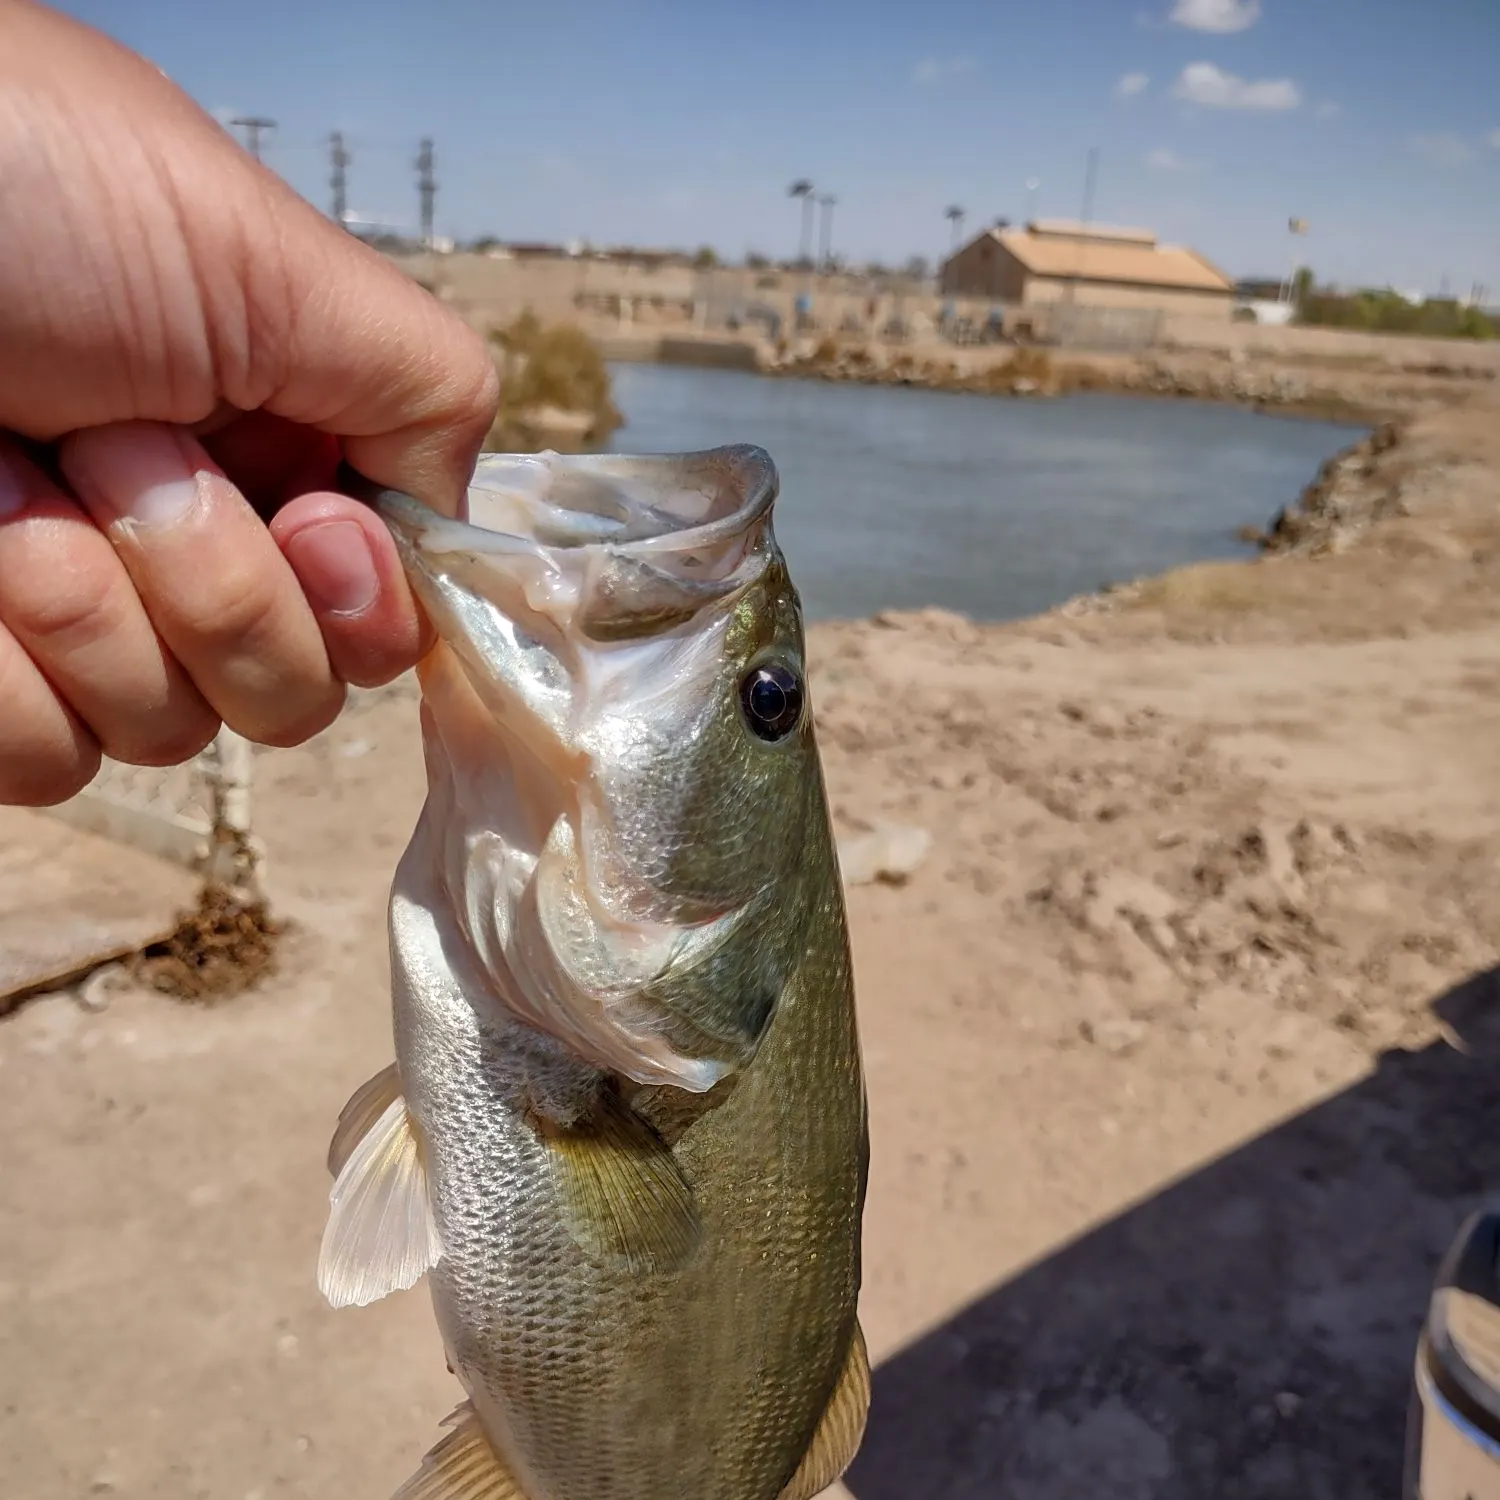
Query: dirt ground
{"x": 1180, "y": 1045}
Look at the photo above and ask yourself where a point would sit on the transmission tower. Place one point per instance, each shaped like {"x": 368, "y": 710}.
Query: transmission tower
{"x": 427, "y": 188}
{"x": 339, "y": 181}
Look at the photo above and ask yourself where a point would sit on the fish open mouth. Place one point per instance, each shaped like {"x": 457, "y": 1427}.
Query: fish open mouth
{"x": 608, "y": 546}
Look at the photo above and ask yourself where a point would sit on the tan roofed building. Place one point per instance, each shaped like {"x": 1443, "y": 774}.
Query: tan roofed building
{"x": 1055, "y": 260}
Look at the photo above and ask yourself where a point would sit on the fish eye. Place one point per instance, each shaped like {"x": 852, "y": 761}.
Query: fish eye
{"x": 771, "y": 696}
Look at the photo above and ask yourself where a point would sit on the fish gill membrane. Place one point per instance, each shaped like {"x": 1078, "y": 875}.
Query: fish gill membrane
{"x": 625, "y": 1131}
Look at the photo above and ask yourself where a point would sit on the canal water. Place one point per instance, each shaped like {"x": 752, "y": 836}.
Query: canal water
{"x": 898, "y": 498}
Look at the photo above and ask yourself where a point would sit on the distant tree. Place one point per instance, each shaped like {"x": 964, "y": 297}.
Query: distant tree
{"x": 917, "y": 268}
{"x": 876, "y": 269}
{"x": 1386, "y": 311}
{"x": 706, "y": 258}
{"x": 1304, "y": 283}
{"x": 755, "y": 261}
{"x": 483, "y": 243}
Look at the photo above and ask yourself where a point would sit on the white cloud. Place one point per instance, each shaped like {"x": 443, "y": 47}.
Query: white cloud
{"x": 1204, "y": 83}
{"x": 934, "y": 69}
{"x": 1163, "y": 160}
{"x": 1131, "y": 85}
{"x": 1442, "y": 150}
{"x": 1216, "y": 15}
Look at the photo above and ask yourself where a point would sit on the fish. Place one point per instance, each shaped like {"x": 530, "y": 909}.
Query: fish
{"x": 625, "y": 1134}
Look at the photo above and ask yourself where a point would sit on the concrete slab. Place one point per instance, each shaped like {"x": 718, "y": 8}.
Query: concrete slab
{"x": 70, "y": 900}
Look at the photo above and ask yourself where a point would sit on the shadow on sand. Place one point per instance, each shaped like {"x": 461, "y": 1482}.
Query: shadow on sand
{"x": 1248, "y": 1332}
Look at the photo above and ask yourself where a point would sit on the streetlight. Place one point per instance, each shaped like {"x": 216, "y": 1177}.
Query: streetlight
{"x": 1032, "y": 184}
{"x": 825, "y": 258}
{"x": 955, "y": 216}
{"x": 1295, "y": 227}
{"x": 803, "y": 189}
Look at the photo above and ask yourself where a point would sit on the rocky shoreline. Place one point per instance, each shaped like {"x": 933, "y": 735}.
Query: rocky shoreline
{"x": 1352, "y": 491}
{"x": 1371, "y": 394}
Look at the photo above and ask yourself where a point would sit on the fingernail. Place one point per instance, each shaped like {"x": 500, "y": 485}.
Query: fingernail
{"x": 135, "y": 472}
{"x": 336, "y": 569}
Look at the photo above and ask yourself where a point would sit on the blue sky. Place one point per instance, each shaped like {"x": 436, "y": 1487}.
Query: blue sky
{"x": 665, "y": 122}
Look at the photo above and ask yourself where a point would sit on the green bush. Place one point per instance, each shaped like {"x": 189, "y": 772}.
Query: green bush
{"x": 1389, "y": 312}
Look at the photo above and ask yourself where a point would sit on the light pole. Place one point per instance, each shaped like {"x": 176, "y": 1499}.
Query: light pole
{"x": 825, "y": 247}
{"x": 955, "y": 216}
{"x": 1032, "y": 184}
{"x": 803, "y": 189}
{"x": 1296, "y": 228}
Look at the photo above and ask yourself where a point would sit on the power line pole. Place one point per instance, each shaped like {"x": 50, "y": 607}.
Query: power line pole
{"x": 252, "y": 126}
{"x": 339, "y": 182}
{"x": 1090, "y": 177}
{"x": 427, "y": 188}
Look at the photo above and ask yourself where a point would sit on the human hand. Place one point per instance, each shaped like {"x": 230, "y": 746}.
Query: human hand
{"x": 187, "y": 350}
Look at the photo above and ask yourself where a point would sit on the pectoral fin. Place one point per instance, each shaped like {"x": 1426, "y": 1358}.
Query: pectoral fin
{"x": 461, "y": 1466}
{"x": 838, "y": 1436}
{"x": 624, "y": 1196}
{"x": 366, "y": 1105}
{"x": 381, "y": 1236}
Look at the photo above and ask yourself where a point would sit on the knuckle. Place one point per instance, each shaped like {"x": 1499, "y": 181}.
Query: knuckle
{"x": 165, "y": 744}
{"x": 286, "y": 729}
{"x": 242, "y": 607}
{"x": 45, "y": 781}
{"x": 60, "y": 610}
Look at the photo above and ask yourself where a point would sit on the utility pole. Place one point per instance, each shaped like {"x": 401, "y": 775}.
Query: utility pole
{"x": 427, "y": 188}
{"x": 252, "y": 126}
{"x": 339, "y": 181}
{"x": 1090, "y": 177}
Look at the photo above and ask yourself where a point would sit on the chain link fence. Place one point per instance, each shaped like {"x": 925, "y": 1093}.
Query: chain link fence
{"x": 196, "y": 815}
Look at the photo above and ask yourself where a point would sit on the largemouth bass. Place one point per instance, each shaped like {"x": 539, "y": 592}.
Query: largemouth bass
{"x": 625, "y": 1131}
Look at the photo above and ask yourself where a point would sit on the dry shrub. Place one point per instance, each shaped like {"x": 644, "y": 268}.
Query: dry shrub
{"x": 1210, "y": 588}
{"x": 557, "y": 367}
{"x": 218, "y": 950}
